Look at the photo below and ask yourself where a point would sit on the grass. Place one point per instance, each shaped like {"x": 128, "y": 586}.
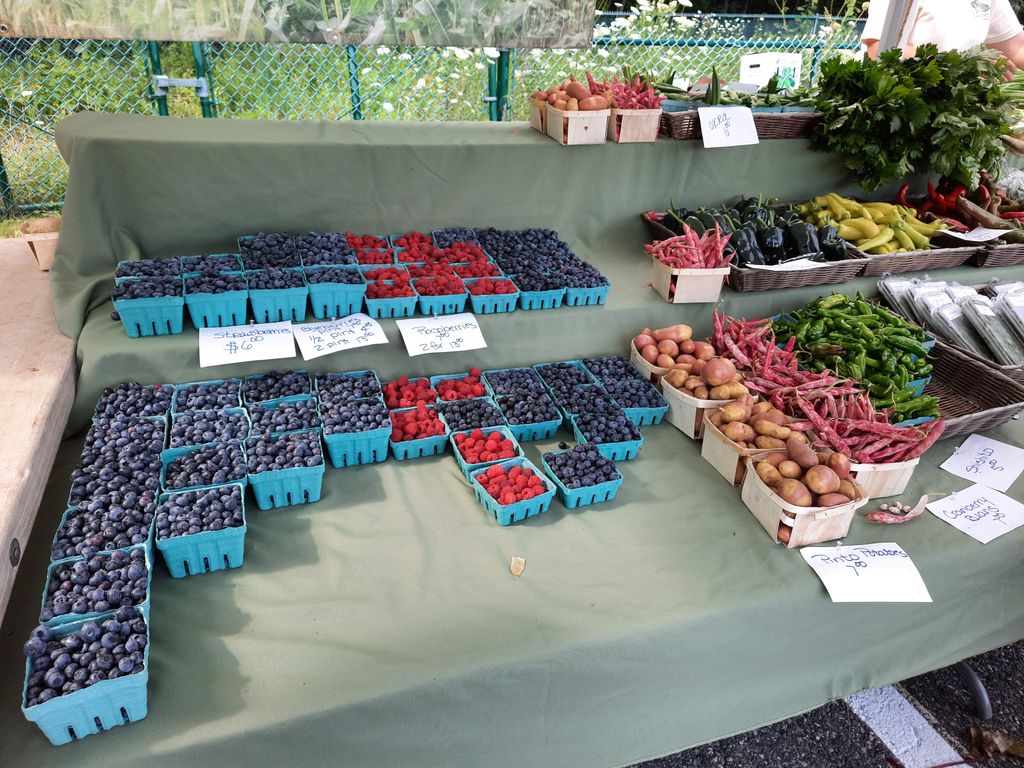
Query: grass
{"x": 10, "y": 227}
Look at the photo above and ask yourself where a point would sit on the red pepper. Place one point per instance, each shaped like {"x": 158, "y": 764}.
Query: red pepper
{"x": 901, "y": 196}
{"x": 959, "y": 190}
{"x": 938, "y": 202}
{"x": 1015, "y": 215}
{"x": 984, "y": 196}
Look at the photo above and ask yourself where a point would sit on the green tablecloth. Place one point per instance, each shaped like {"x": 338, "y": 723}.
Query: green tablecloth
{"x": 381, "y": 626}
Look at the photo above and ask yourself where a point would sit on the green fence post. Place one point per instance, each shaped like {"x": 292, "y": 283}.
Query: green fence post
{"x": 353, "y": 81}
{"x": 207, "y": 102}
{"x": 6, "y": 193}
{"x": 153, "y": 65}
{"x": 491, "y": 99}
{"x": 504, "y": 75}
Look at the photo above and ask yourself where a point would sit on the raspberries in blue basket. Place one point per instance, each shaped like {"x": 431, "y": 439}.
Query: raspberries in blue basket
{"x": 263, "y": 251}
{"x": 528, "y": 408}
{"x": 470, "y": 414}
{"x": 200, "y": 427}
{"x": 216, "y": 262}
{"x": 105, "y": 522}
{"x": 296, "y": 449}
{"x": 288, "y": 416}
{"x": 213, "y": 464}
{"x": 131, "y": 399}
{"x": 191, "y": 512}
{"x": 274, "y": 279}
{"x": 214, "y": 282}
{"x": 351, "y": 416}
{"x": 206, "y": 396}
{"x": 147, "y": 288}
{"x": 274, "y": 384}
{"x": 511, "y": 380}
{"x": 99, "y": 583}
{"x": 339, "y": 387}
{"x": 148, "y": 268}
{"x": 462, "y": 387}
{"x": 581, "y": 467}
{"x": 324, "y": 248}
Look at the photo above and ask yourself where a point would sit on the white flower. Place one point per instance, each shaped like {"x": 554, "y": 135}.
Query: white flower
{"x": 461, "y": 53}
{"x": 479, "y": 65}
{"x": 491, "y": 53}
{"x": 387, "y": 106}
{"x": 26, "y": 94}
{"x": 40, "y": 122}
{"x": 404, "y": 56}
{"x": 421, "y": 83}
{"x": 604, "y": 53}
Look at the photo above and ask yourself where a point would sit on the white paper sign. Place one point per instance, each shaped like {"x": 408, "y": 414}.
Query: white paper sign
{"x": 980, "y": 512}
{"x": 867, "y": 573}
{"x": 976, "y": 235}
{"x": 449, "y": 333}
{"x": 244, "y": 343}
{"x": 986, "y": 461}
{"x": 795, "y": 265}
{"x": 727, "y": 126}
{"x": 323, "y": 338}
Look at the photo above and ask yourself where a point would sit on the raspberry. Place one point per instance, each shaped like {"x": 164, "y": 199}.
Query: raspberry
{"x": 478, "y": 269}
{"x": 509, "y": 487}
{"x": 477, "y": 447}
{"x": 442, "y": 285}
{"x": 462, "y": 388}
{"x": 487, "y": 286}
{"x": 366, "y": 241}
{"x": 388, "y": 290}
{"x": 415, "y": 424}
{"x": 398, "y": 274}
{"x": 403, "y": 393}
{"x": 463, "y": 253}
{"x": 374, "y": 256}
{"x": 433, "y": 269}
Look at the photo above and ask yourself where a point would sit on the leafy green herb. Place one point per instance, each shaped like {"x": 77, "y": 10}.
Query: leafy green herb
{"x": 939, "y": 112}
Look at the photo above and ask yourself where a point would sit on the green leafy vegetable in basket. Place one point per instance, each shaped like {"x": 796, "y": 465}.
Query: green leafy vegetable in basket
{"x": 939, "y": 112}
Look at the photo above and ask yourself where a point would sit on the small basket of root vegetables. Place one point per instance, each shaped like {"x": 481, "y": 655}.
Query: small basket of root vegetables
{"x": 692, "y": 388}
{"x": 802, "y": 496}
{"x": 740, "y": 429}
{"x": 690, "y": 268}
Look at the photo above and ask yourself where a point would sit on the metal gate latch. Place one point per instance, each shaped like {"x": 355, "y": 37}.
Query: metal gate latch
{"x": 162, "y": 83}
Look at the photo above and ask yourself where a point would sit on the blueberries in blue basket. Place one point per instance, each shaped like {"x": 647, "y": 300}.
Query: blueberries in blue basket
{"x": 288, "y": 416}
{"x": 209, "y": 396}
{"x": 563, "y": 378}
{"x": 498, "y": 242}
{"x": 506, "y": 382}
{"x": 338, "y": 387}
{"x": 528, "y": 408}
{"x": 635, "y": 393}
{"x": 147, "y": 288}
{"x": 274, "y": 279}
{"x": 539, "y": 238}
{"x": 581, "y": 467}
{"x": 608, "y": 425}
{"x": 199, "y": 427}
{"x": 445, "y": 238}
{"x": 470, "y": 414}
{"x": 274, "y": 384}
{"x": 333, "y": 275}
{"x": 536, "y": 281}
{"x": 214, "y": 464}
{"x": 324, "y": 248}
{"x": 112, "y": 521}
{"x": 212, "y": 282}
{"x": 119, "y": 456}
{"x": 265, "y": 251}
{"x": 516, "y": 262}
{"x": 296, "y": 449}
{"x": 192, "y": 512}
{"x": 211, "y": 263}
{"x": 148, "y": 268}
{"x": 60, "y": 670}
{"x": 347, "y": 417}
{"x": 612, "y": 368}
{"x": 131, "y": 399}
{"x": 583, "y": 398}
{"x": 100, "y": 583}
{"x": 572, "y": 279}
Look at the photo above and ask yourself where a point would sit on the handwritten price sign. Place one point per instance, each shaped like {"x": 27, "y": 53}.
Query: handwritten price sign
{"x": 986, "y": 461}
{"x": 727, "y": 126}
{"x": 980, "y": 512}
{"x": 324, "y": 338}
{"x": 867, "y": 573}
{"x": 451, "y": 333}
{"x": 244, "y": 343}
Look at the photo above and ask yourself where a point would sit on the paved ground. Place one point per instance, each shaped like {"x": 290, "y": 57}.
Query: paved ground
{"x": 920, "y": 723}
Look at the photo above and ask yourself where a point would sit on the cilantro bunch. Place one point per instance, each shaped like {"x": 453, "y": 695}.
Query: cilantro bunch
{"x": 936, "y": 113}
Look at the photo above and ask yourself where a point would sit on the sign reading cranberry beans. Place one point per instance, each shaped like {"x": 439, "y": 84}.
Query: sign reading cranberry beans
{"x": 130, "y": 490}
{"x": 277, "y": 276}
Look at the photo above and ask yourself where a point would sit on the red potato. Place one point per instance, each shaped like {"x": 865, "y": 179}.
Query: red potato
{"x": 784, "y": 533}
{"x": 642, "y": 340}
{"x": 839, "y": 464}
{"x": 572, "y": 105}
{"x": 702, "y": 350}
{"x": 687, "y": 347}
{"x": 686, "y": 359}
{"x": 577, "y": 90}
{"x": 718, "y": 371}
{"x": 668, "y": 347}
{"x": 665, "y": 361}
{"x": 678, "y": 333}
{"x": 832, "y": 500}
{"x": 561, "y": 104}
{"x": 539, "y": 96}
{"x": 697, "y": 367}
{"x": 593, "y": 103}
{"x": 649, "y": 353}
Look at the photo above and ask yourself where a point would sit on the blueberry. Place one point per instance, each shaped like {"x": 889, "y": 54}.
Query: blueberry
{"x": 132, "y": 399}
{"x": 333, "y": 275}
{"x": 274, "y": 279}
{"x": 470, "y": 413}
{"x": 295, "y": 449}
{"x": 612, "y": 368}
{"x": 88, "y": 527}
{"x": 324, "y": 248}
{"x": 563, "y": 378}
{"x": 210, "y": 264}
{"x": 34, "y": 647}
{"x": 90, "y": 631}
{"x": 635, "y": 393}
{"x": 193, "y": 512}
{"x": 273, "y": 385}
{"x": 205, "y": 395}
{"x": 352, "y": 416}
{"x": 147, "y": 288}
{"x": 606, "y": 425}
{"x": 528, "y": 408}
{"x": 200, "y": 427}
{"x": 214, "y": 283}
{"x": 507, "y": 382}
{"x": 340, "y": 387}
{"x": 288, "y": 416}
{"x": 273, "y": 250}
{"x": 581, "y": 467}
{"x": 213, "y": 464}
{"x": 125, "y": 665}
{"x": 148, "y": 268}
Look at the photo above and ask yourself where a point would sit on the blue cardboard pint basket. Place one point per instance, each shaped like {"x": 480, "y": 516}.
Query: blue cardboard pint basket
{"x": 443, "y": 305}
{"x": 162, "y": 316}
{"x": 353, "y": 374}
{"x": 350, "y": 448}
{"x": 100, "y": 707}
{"x": 205, "y": 552}
{"x": 279, "y": 304}
{"x": 584, "y": 297}
{"x": 469, "y": 469}
{"x": 645, "y": 416}
{"x": 403, "y": 306}
{"x": 489, "y": 374}
{"x": 79, "y": 618}
{"x": 225, "y": 262}
{"x": 424, "y": 446}
{"x": 286, "y": 487}
{"x": 119, "y": 279}
{"x": 541, "y": 299}
{"x": 506, "y": 514}
{"x": 335, "y": 299}
{"x": 168, "y": 456}
{"x": 217, "y": 310}
{"x": 492, "y": 303}
{"x": 148, "y": 543}
{"x": 539, "y": 431}
{"x": 620, "y": 451}
{"x": 581, "y": 497}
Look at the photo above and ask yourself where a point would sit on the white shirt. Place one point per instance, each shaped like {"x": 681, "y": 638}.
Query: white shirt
{"x": 951, "y": 24}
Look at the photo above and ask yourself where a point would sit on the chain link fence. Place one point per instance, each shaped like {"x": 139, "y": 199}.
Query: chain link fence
{"x": 42, "y": 81}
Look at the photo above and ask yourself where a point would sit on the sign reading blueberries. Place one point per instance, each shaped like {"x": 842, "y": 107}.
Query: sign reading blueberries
{"x": 244, "y": 343}
{"x": 448, "y": 333}
{"x": 980, "y": 512}
{"x": 318, "y": 339}
{"x": 727, "y": 126}
{"x": 986, "y": 461}
{"x": 867, "y": 573}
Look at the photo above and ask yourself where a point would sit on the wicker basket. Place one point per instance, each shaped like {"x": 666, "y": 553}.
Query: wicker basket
{"x": 913, "y": 261}
{"x": 786, "y": 125}
{"x": 681, "y": 126}
{"x": 1008, "y": 255}
{"x": 748, "y": 280}
{"x": 972, "y": 396}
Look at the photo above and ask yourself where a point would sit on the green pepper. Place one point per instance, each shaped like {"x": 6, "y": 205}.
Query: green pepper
{"x": 695, "y": 224}
{"x": 908, "y": 345}
{"x": 831, "y": 301}
{"x": 747, "y": 251}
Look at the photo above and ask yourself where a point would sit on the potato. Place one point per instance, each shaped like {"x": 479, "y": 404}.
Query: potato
{"x": 677, "y": 378}
{"x": 762, "y": 407}
{"x": 642, "y": 340}
{"x": 677, "y": 333}
{"x": 832, "y": 499}
{"x": 734, "y": 412}
{"x": 775, "y": 458}
{"x": 702, "y": 350}
{"x": 840, "y": 464}
{"x": 784, "y": 533}
{"x": 686, "y": 359}
{"x": 698, "y": 366}
{"x": 821, "y": 479}
{"x": 552, "y": 98}
{"x": 561, "y": 104}
{"x": 649, "y": 353}
{"x": 665, "y": 361}
{"x": 771, "y": 429}
{"x": 668, "y": 347}
{"x": 773, "y": 416}
{"x": 738, "y": 432}
{"x": 794, "y": 492}
{"x": 846, "y": 488}
{"x": 682, "y": 367}
{"x": 592, "y": 103}
{"x": 687, "y": 347}
{"x": 801, "y": 453}
{"x": 768, "y": 443}
{"x": 718, "y": 371}
{"x": 716, "y": 418}
{"x": 701, "y": 392}
{"x": 572, "y": 105}
{"x": 577, "y": 90}
{"x": 768, "y": 474}
{"x": 729, "y": 391}
{"x": 693, "y": 382}
{"x": 790, "y": 469}
{"x": 800, "y": 437}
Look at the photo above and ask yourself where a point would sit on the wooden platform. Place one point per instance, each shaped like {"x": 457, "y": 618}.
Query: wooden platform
{"x": 37, "y": 379}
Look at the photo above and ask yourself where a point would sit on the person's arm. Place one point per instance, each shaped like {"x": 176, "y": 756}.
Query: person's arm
{"x": 1013, "y": 49}
{"x": 1005, "y": 33}
{"x": 873, "y": 26}
{"x": 872, "y": 46}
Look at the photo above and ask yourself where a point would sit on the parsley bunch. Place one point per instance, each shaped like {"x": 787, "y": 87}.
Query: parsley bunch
{"x": 939, "y": 113}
